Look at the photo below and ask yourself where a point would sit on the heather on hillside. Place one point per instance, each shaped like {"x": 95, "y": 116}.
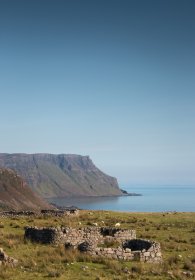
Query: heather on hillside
{"x": 15, "y": 193}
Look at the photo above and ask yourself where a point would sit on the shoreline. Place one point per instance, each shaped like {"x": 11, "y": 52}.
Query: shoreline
{"x": 92, "y": 196}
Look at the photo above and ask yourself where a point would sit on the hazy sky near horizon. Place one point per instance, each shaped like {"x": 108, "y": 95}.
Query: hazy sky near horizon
{"x": 113, "y": 79}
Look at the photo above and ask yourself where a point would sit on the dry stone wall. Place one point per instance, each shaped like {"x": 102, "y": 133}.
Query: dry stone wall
{"x": 16, "y": 213}
{"x": 149, "y": 251}
{"x": 144, "y": 250}
{"x": 75, "y": 236}
{"x": 151, "y": 254}
{"x": 59, "y": 213}
{"x": 44, "y": 212}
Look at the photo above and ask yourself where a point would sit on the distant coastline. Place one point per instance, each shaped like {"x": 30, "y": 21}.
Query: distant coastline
{"x": 124, "y": 193}
{"x": 93, "y": 196}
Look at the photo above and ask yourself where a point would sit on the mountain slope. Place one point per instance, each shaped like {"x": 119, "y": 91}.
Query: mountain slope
{"x": 15, "y": 194}
{"x": 61, "y": 175}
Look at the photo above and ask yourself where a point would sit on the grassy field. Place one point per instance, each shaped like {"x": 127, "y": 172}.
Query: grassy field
{"x": 174, "y": 231}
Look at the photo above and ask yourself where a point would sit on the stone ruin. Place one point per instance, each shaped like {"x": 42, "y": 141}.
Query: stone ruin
{"x": 134, "y": 249}
{"x": 13, "y": 213}
{"x": 95, "y": 241}
{"x": 75, "y": 236}
{"x": 6, "y": 260}
{"x": 45, "y": 212}
{"x": 60, "y": 212}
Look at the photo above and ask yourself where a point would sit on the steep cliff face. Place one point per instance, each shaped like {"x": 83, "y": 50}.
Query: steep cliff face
{"x": 61, "y": 175}
{"x": 16, "y": 195}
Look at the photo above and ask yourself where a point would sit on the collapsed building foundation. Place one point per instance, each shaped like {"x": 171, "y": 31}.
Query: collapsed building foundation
{"x": 75, "y": 236}
{"x": 95, "y": 241}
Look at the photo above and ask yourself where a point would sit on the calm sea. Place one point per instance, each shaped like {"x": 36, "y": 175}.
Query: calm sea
{"x": 153, "y": 199}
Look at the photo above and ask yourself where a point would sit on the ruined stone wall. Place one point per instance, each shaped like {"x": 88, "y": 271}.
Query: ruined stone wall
{"x": 144, "y": 250}
{"x": 43, "y": 235}
{"x": 117, "y": 234}
{"x": 90, "y": 238}
{"x": 150, "y": 251}
{"x": 46, "y": 212}
{"x": 5, "y": 214}
{"x": 59, "y": 213}
{"x": 127, "y": 254}
{"x": 75, "y": 236}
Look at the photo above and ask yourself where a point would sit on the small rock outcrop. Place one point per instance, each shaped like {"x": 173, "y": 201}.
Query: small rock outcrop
{"x": 6, "y": 260}
{"x": 86, "y": 246}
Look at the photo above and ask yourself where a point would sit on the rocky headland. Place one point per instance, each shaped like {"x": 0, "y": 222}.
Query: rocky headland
{"x": 61, "y": 175}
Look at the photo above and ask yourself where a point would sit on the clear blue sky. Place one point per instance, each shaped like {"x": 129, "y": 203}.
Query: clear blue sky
{"x": 113, "y": 79}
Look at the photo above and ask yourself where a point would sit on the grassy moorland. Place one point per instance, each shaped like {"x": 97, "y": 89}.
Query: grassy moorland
{"x": 175, "y": 232}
